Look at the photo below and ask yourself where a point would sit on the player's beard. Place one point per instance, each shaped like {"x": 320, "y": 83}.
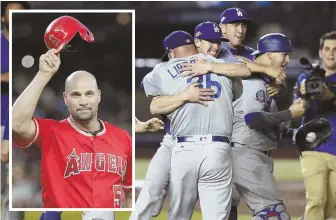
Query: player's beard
{"x": 84, "y": 117}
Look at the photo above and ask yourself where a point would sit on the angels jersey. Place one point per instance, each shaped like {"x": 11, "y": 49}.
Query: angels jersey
{"x": 81, "y": 170}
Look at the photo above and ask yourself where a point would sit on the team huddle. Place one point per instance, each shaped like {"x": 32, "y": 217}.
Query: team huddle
{"x": 222, "y": 122}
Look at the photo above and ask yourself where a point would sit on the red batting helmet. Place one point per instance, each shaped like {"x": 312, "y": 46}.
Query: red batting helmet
{"x": 62, "y": 30}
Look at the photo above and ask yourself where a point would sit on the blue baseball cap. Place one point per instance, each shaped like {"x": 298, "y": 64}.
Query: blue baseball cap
{"x": 209, "y": 31}
{"x": 234, "y": 14}
{"x": 174, "y": 40}
{"x": 273, "y": 42}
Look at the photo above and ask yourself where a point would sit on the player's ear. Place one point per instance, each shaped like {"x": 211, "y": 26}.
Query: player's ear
{"x": 320, "y": 53}
{"x": 99, "y": 95}
{"x": 269, "y": 55}
{"x": 197, "y": 42}
{"x": 222, "y": 27}
{"x": 65, "y": 98}
{"x": 171, "y": 54}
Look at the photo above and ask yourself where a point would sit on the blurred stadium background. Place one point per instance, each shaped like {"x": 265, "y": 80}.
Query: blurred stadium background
{"x": 109, "y": 58}
{"x": 304, "y": 22}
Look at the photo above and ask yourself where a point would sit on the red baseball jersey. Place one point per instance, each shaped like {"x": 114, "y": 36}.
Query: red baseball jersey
{"x": 81, "y": 170}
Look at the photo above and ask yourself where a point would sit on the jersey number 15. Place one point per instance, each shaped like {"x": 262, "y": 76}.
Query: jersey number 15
{"x": 206, "y": 82}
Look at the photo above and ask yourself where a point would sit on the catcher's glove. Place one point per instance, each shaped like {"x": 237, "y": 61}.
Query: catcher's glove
{"x": 320, "y": 126}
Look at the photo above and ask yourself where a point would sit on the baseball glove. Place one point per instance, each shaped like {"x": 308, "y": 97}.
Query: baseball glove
{"x": 320, "y": 126}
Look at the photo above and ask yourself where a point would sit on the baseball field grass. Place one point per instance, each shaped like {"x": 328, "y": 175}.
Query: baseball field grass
{"x": 284, "y": 170}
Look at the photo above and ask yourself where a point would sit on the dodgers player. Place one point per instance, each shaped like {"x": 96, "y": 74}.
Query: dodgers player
{"x": 182, "y": 207}
{"x": 234, "y": 23}
{"x": 256, "y": 130}
{"x": 70, "y": 147}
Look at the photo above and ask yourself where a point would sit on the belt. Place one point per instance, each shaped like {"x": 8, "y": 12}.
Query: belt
{"x": 214, "y": 139}
{"x": 267, "y": 152}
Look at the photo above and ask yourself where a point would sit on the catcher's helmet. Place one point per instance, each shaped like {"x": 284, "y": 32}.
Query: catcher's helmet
{"x": 62, "y": 30}
{"x": 274, "y": 42}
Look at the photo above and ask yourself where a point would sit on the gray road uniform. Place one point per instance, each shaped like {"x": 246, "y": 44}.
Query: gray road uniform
{"x": 201, "y": 161}
{"x": 252, "y": 141}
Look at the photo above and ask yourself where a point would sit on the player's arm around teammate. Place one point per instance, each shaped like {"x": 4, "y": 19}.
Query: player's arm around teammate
{"x": 152, "y": 125}
{"x": 23, "y": 125}
{"x": 276, "y": 73}
{"x": 202, "y": 67}
{"x": 167, "y": 104}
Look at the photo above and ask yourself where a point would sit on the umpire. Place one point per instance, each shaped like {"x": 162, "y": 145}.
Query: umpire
{"x": 319, "y": 163}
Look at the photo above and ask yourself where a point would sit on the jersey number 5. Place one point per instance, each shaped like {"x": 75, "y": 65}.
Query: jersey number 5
{"x": 119, "y": 196}
{"x": 206, "y": 82}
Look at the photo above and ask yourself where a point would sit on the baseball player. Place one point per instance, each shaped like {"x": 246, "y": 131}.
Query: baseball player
{"x": 5, "y": 7}
{"x": 74, "y": 144}
{"x": 234, "y": 23}
{"x": 319, "y": 164}
{"x": 182, "y": 207}
{"x": 256, "y": 131}
{"x": 165, "y": 105}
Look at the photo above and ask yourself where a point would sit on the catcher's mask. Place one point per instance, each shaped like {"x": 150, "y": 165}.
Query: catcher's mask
{"x": 65, "y": 33}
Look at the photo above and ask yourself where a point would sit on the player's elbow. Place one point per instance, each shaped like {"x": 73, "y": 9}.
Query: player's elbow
{"x": 23, "y": 130}
{"x": 17, "y": 126}
{"x": 154, "y": 109}
{"x": 253, "y": 120}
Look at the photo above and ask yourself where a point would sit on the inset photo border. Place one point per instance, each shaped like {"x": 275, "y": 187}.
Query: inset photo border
{"x": 71, "y": 123}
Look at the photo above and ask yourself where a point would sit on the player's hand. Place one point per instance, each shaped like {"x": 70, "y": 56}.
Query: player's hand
{"x": 303, "y": 90}
{"x": 153, "y": 125}
{"x": 298, "y": 108}
{"x": 276, "y": 73}
{"x": 198, "y": 95}
{"x": 273, "y": 89}
{"x": 50, "y": 62}
{"x": 200, "y": 67}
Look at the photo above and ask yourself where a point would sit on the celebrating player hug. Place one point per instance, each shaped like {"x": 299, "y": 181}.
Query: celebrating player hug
{"x": 219, "y": 99}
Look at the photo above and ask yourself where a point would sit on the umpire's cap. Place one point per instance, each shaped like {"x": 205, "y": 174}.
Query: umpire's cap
{"x": 174, "y": 40}
{"x": 273, "y": 42}
{"x": 62, "y": 30}
{"x": 4, "y": 5}
{"x": 231, "y": 15}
